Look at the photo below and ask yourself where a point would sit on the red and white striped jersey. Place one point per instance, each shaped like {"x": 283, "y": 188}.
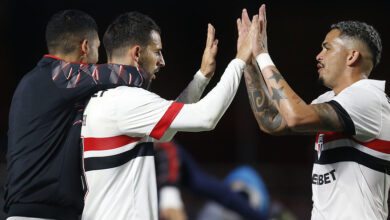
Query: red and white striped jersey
{"x": 119, "y": 127}
{"x": 350, "y": 177}
{"x": 118, "y": 131}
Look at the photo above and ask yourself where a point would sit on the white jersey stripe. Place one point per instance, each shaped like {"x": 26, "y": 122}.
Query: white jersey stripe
{"x": 373, "y": 148}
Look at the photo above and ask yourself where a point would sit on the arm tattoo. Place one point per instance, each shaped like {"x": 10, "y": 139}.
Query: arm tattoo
{"x": 265, "y": 112}
{"x": 258, "y": 100}
{"x": 328, "y": 117}
{"x": 276, "y": 76}
{"x": 261, "y": 103}
{"x": 271, "y": 120}
{"x": 278, "y": 94}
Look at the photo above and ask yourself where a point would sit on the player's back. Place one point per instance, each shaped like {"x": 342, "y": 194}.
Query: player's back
{"x": 39, "y": 121}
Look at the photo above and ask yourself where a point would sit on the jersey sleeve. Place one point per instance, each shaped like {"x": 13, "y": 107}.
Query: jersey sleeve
{"x": 205, "y": 114}
{"x": 194, "y": 90}
{"x": 140, "y": 112}
{"x": 362, "y": 108}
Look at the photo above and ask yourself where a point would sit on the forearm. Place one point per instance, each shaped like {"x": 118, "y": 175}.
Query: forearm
{"x": 190, "y": 94}
{"x": 298, "y": 115}
{"x": 194, "y": 90}
{"x": 205, "y": 114}
{"x": 263, "y": 108}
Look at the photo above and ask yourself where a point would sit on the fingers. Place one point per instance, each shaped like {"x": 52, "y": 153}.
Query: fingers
{"x": 265, "y": 15}
{"x": 245, "y": 18}
{"x": 215, "y": 43}
{"x": 239, "y": 26}
{"x": 214, "y": 47}
{"x": 255, "y": 23}
{"x": 262, "y": 18}
{"x": 210, "y": 35}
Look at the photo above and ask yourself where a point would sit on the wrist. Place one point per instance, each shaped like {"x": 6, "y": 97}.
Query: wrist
{"x": 206, "y": 75}
{"x": 200, "y": 76}
{"x": 264, "y": 60}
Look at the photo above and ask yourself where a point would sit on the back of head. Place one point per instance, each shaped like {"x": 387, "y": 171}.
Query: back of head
{"x": 364, "y": 33}
{"x": 66, "y": 29}
{"x": 126, "y": 30}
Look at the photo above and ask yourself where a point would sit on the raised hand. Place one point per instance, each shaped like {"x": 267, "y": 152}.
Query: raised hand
{"x": 260, "y": 37}
{"x": 245, "y": 38}
{"x": 208, "y": 59}
{"x": 243, "y": 26}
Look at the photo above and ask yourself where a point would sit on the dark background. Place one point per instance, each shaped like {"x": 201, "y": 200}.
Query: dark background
{"x": 295, "y": 32}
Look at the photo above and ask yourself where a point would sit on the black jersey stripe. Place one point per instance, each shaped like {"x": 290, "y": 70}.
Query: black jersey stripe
{"x": 350, "y": 154}
{"x": 99, "y": 163}
{"x": 349, "y": 126}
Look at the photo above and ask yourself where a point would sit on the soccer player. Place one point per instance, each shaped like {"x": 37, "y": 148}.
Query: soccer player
{"x": 121, "y": 124}
{"x": 350, "y": 177}
{"x": 44, "y": 170}
{"x": 41, "y": 181}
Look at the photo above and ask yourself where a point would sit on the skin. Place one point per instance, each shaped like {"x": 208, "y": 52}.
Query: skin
{"x": 88, "y": 51}
{"x": 173, "y": 214}
{"x": 278, "y": 109}
{"x": 91, "y": 50}
{"x": 244, "y": 52}
{"x": 334, "y": 62}
{"x": 150, "y": 58}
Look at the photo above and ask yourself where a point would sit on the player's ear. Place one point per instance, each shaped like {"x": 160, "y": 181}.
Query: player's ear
{"x": 134, "y": 52}
{"x": 84, "y": 47}
{"x": 353, "y": 57}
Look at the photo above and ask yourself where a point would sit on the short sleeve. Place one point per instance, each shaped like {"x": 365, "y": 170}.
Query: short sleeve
{"x": 363, "y": 107}
{"x": 142, "y": 113}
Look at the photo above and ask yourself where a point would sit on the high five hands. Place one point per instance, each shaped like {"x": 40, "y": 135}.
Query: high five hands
{"x": 252, "y": 35}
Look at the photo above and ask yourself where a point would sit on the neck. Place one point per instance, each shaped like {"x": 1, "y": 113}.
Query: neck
{"x": 123, "y": 61}
{"x": 348, "y": 80}
{"x": 70, "y": 58}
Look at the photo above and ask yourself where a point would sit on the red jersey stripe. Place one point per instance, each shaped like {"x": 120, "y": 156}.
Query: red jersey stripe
{"x": 376, "y": 144}
{"x": 166, "y": 120}
{"x": 108, "y": 143}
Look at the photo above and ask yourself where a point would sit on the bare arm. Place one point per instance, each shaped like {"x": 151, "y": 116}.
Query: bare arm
{"x": 205, "y": 114}
{"x": 299, "y": 116}
{"x": 263, "y": 108}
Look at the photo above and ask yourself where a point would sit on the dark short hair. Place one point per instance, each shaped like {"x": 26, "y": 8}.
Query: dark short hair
{"x": 363, "y": 32}
{"x": 66, "y": 29}
{"x": 129, "y": 29}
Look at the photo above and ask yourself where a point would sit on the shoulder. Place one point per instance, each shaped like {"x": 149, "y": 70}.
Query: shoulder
{"x": 325, "y": 97}
{"x": 364, "y": 91}
{"x": 124, "y": 96}
{"x": 133, "y": 92}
